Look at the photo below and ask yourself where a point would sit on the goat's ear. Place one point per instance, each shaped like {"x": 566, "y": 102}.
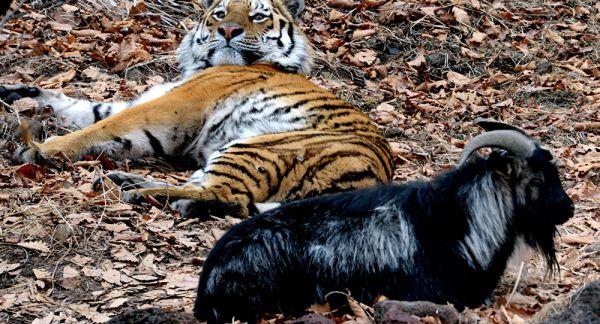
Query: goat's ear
{"x": 504, "y": 163}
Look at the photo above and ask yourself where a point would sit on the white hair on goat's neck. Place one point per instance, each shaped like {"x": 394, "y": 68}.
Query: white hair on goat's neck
{"x": 521, "y": 254}
{"x": 391, "y": 246}
{"x": 490, "y": 209}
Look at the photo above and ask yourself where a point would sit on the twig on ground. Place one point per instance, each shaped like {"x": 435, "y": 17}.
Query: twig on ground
{"x": 514, "y": 290}
{"x": 11, "y": 13}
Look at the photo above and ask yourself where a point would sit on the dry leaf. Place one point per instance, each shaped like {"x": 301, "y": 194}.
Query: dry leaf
{"x": 577, "y": 239}
{"x": 320, "y": 308}
{"x": 458, "y": 79}
{"x": 44, "y": 320}
{"x": 69, "y": 272}
{"x": 358, "y": 34}
{"x": 385, "y": 107}
{"x": 335, "y": 15}
{"x": 578, "y": 26}
{"x": 25, "y": 104}
{"x": 35, "y": 245}
{"x": 461, "y": 16}
{"x": 69, "y": 8}
{"x": 57, "y": 80}
{"x": 123, "y": 255}
{"x": 470, "y": 53}
{"x": 476, "y": 39}
{"x": 30, "y": 171}
{"x": 182, "y": 281}
{"x": 118, "y": 227}
{"x": 418, "y": 61}
{"x": 342, "y": 4}
{"x": 550, "y": 34}
{"x": 430, "y": 11}
{"x": 118, "y": 207}
{"x": 60, "y": 26}
{"x": 362, "y": 58}
{"x": 91, "y": 272}
{"x": 112, "y": 276}
{"x": 117, "y": 302}
{"x": 42, "y": 274}
{"x": 8, "y": 267}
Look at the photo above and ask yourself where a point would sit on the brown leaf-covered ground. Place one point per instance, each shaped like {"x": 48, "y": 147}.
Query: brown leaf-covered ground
{"x": 423, "y": 70}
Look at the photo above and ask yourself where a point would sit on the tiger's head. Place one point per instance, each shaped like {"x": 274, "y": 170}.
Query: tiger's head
{"x": 246, "y": 32}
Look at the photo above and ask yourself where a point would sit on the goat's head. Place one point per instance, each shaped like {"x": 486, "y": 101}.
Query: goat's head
{"x": 540, "y": 202}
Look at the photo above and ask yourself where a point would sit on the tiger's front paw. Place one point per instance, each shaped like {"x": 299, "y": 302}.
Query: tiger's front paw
{"x": 41, "y": 153}
{"x": 185, "y": 207}
{"x": 28, "y": 154}
{"x": 11, "y": 93}
{"x": 133, "y": 197}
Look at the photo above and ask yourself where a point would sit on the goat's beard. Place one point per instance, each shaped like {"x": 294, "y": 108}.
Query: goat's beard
{"x": 541, "y": 237}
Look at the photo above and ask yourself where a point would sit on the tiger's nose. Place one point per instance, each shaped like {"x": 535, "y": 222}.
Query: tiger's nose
{"x": 230, "y": 31}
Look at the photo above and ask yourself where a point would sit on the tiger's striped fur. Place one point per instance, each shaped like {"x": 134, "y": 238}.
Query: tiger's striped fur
{"x": 257, "y": 133}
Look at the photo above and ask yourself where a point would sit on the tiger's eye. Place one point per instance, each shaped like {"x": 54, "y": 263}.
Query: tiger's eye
{"x": 259, "y": 17}
{"x": 219, "y": 15}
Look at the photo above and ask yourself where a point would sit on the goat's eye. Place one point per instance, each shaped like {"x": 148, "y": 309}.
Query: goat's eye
{"x": 219, "y": 15}
{"x": 259, "y": 17}
{"x": 537, "y": 181}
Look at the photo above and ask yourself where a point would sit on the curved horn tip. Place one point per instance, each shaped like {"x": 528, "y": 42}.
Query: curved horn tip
{"x": 489, "y": 124}
{"x": 508, "y": 139}
{"x": 480, "y": 120}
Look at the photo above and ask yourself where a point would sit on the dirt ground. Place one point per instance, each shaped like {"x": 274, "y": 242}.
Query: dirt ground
{"x": 423, "y": 70}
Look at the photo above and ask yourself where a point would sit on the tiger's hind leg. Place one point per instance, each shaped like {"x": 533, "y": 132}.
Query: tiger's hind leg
{"x": 197, "y": 201}
{"x": 192, "y": 204}
{"x": 129, "y": 181}
{"x": 232, "y": 184}
{"x": 253, "y": 176}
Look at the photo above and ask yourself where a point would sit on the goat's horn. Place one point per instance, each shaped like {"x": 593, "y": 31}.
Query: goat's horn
{"x": 492, "y": 125}
{"x": 513, "y": 141}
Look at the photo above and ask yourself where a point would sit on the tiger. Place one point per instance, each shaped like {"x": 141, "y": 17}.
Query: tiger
{"x": 244, "y": 115}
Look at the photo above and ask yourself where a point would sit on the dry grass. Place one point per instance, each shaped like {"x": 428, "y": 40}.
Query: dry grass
{"x": 104, "y": 257}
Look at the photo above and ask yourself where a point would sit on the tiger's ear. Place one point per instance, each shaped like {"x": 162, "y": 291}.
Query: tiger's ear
{"x": 207, "y": 3}
{"x": 295, "y": 7}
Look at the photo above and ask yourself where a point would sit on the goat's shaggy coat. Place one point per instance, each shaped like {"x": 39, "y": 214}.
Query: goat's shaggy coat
{"x": 447, "y": 240}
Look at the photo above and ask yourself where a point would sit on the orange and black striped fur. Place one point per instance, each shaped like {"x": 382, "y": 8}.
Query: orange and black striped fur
{"x": 258, "y": 133}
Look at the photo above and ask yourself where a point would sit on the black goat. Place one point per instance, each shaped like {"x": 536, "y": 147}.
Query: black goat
{"x": 444, "y": 240}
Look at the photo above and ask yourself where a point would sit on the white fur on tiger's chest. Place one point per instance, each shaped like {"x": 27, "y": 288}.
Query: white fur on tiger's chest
{"x": 241, "y": 117}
